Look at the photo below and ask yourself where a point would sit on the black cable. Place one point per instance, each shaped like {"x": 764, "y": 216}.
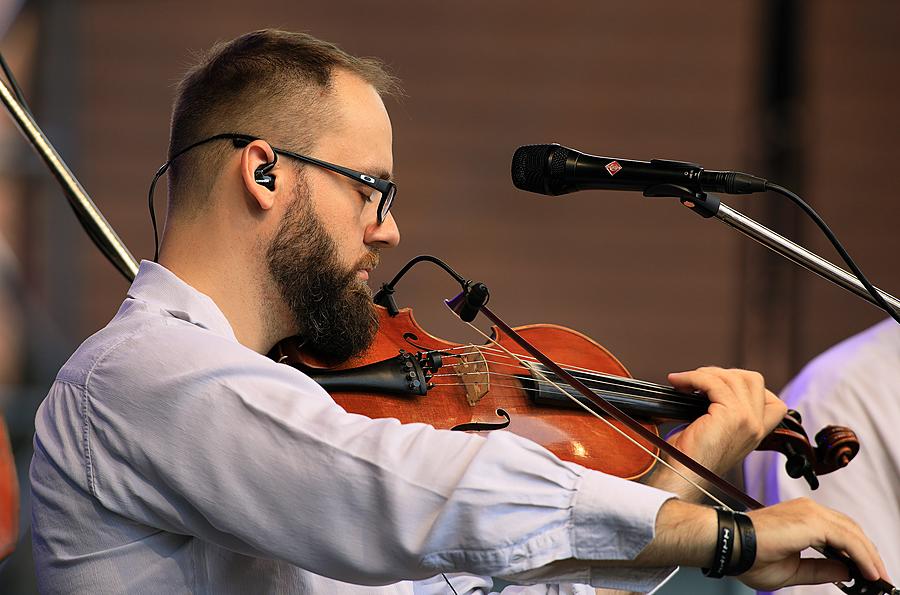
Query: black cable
{"x": 385, "y": 295}
{"x": 448, "y": 584}
{"x": 837, "y": 246}
{"x": 15, "y": 86}
{"x": 156, "y": 176}
{"x": 427, "y": 258}
{"x": 234, "y": 136}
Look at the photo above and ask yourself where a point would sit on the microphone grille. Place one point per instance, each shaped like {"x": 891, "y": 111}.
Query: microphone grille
{"x": 528, "y": 167}
{"x": 558, "y": 158}
{"x": 538, "y": 168}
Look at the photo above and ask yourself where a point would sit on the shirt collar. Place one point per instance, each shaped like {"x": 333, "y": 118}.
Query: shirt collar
{"x": 158, "y": 286}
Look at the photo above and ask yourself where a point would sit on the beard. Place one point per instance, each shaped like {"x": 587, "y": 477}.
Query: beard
{"x": 331, "y": 306}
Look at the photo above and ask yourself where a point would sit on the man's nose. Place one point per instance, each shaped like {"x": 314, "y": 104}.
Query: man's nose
{"x": 387, "y": 234}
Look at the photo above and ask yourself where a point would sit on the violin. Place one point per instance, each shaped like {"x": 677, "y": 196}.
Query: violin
{"x": 412, "y": 376}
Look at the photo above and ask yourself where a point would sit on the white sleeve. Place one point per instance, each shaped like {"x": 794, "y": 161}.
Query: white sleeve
{"x": 256, "y": 457}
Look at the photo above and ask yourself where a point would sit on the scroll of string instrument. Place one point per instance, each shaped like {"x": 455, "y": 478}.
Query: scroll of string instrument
{"x": 413, "y": 376}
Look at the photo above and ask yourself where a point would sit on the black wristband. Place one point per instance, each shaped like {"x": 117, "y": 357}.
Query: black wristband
{"x": 748, "y": 545}
{"x": 724, "y": 544}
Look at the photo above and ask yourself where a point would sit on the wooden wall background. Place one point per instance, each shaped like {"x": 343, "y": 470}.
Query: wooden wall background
{"x": 659, "y": 286}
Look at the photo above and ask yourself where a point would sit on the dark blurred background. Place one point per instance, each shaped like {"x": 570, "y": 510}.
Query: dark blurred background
{"x": 802, "y": 93}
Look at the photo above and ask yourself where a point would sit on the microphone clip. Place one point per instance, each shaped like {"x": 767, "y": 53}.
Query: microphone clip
{"x": 385, "y": 297}
{"x": 468, "y": 303}
{"x": 705, "y": 205}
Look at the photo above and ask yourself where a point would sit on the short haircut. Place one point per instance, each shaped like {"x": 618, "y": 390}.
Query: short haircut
{"x": 269, "y": 83}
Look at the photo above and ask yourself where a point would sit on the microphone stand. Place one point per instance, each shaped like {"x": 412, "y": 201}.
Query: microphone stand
{"x": 88, "y": 214}
{"x": 800, "y": 255}
{"x": 707, "y": 206}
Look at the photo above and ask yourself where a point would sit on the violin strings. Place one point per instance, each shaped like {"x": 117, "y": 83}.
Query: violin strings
{"x": 612, "y": 378}
{"x": 489, "y": 384}
{"x": 610, "y": 424}
{"x": 602, "y": 381}
{"x": 519, "y": 358}
{"x": 478, "y": 349}
{"x": 608, "y": 391}
{"x": 604, "y": 385}
{"x": 495, "y": 385}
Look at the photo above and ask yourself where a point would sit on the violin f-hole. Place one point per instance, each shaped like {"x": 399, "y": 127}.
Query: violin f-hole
{"x": 484, "y": 426}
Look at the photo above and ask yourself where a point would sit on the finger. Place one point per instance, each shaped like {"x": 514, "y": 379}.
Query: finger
{"x": 860, "y": 538}
{"x": 774, "y": 411}
{"x": 749, "y": 390}
{"x": 857, "y": 546}
{"x": 816, "y": 571}
{"x": 704, "y": 380}
{"x": 880, "y": 568}
{"x": 756, "y": 387}
{"x": 729, "y": 389}
{"x": 684, "y": 380}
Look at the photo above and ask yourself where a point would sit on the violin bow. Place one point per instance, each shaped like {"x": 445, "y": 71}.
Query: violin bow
{"x": 463, "y": 302}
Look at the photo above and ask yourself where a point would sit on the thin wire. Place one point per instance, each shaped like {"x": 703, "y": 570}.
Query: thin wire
{"x": 15, "y": 86}
{"x": 524, "y": 388}
{"x": 448, "y": 584}
{"x": 489, "y": 384}
{"x": 879, "y": 300}
{"x": 499, "y": 353}
{"x": 624, "y": 381}
{"x": 478, "y": 349}
{"x": 607, "y": 382}
{"x": 537, "y": 381}
{"x": 613, "y": 377}
{"x": 234, "y": 136}
{"x": 610, "y": 424}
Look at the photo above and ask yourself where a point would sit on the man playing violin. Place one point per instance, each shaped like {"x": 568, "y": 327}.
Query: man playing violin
{"x": 172, "y": 456}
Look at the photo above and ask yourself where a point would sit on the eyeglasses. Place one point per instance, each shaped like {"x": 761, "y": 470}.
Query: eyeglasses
{"x": 383, "y": 191}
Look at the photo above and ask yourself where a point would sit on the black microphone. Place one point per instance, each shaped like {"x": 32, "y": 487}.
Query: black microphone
{"x": 554, "y": 169}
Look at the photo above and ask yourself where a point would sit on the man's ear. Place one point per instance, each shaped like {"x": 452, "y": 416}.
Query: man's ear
{"x": 258, "y": 161}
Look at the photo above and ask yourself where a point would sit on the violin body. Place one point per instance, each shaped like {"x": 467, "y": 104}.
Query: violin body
{"x": 410, "y": 375}
{"x": 567, "y": 432}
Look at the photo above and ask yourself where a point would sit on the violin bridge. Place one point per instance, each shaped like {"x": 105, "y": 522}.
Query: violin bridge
{"x": 473, "y": 370}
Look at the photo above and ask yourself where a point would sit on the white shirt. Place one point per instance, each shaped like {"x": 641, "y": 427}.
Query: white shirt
{"x": 854, "y": 384}
{"x": 169, "y": 458}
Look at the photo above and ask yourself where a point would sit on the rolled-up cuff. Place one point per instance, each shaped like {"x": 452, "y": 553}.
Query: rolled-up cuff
{"x": 614, "y": 532}
{"x": 620, "y": 532}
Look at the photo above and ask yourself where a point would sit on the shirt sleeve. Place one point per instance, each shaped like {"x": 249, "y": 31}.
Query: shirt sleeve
{"x": 213, "y": 440}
